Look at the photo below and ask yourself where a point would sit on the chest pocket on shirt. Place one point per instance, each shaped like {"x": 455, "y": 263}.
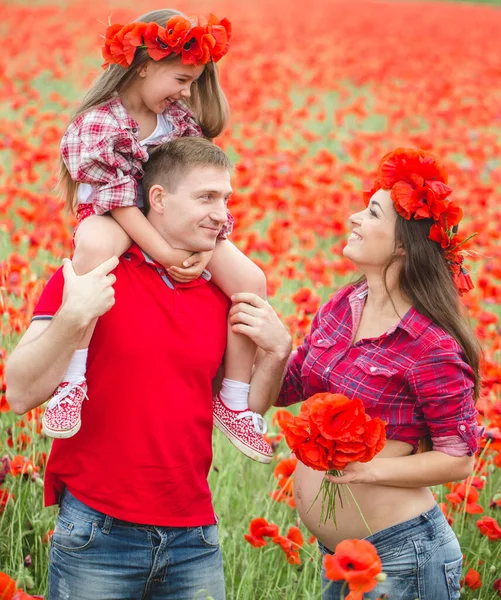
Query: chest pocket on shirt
{"x": 370, "y": 379}
{"x": 319, "y": 343}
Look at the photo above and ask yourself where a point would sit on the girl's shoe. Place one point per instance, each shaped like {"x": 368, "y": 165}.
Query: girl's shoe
{"x": 244, "y": 429}
{"x": 62, "y": 413}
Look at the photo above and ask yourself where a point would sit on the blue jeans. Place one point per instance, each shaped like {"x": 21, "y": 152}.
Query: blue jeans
{"x": 94, "y": 556}
{"x": 421, "y": 558}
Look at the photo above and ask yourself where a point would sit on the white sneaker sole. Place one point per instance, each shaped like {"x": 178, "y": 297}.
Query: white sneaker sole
{"x": 244, "y": 449}
{"x": 56, "y": 433}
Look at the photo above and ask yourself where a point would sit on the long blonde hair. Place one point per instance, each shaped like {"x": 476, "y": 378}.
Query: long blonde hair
{"x": 207, "y": 100}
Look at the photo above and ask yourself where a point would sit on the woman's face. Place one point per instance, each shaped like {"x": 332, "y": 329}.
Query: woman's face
{"x": 372, "y": 241}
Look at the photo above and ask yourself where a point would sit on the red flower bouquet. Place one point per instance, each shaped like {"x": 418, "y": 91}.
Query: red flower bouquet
{"x": 331, "y": 431}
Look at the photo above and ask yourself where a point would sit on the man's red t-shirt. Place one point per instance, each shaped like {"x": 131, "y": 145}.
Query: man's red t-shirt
{"x": 144, "y": 450}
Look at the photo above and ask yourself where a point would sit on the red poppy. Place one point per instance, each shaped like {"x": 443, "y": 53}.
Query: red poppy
{"x": 259, "y": 529}
{"x": 330, "y": 432}
{"x": 290, "y": 544}
{"x": 356, "y": 562}
{"x": 174, "y": 34}
{"x": 472, "y": 579}
{"x": 489, "y": 527}
{"x": 465, "y": 495}
{"x": 7, "y": 587}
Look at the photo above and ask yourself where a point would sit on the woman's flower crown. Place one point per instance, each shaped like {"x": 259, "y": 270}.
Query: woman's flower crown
{"x": 197, "y": 40}
{"x": 419, "y": 190}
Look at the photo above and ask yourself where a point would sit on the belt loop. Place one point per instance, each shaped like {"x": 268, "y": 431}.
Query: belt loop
{"x": 108, "y": 524}
{"x": 431, "y": 524}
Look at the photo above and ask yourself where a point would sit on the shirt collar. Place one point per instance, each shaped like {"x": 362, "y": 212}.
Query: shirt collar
{"x": 137, "y": 257}
{"x": 121, "y": 115}
{"x": 413, "y": 322}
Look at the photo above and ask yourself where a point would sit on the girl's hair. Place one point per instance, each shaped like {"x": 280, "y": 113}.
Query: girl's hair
{"x": 207, "y": 101}
{"x": 426, "y": 280}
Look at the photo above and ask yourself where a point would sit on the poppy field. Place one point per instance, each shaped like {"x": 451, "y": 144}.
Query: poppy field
{"x": 319, "y": 92}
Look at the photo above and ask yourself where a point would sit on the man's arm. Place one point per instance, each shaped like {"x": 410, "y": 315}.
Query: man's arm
{"x": 37, "y": 366}
{"x": 254, "y": 317}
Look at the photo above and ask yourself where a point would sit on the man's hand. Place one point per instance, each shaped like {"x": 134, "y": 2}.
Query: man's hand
{"x": 192, "y": 267}
{"x": 255, "y": 318}
{"x": 86, "y": 297}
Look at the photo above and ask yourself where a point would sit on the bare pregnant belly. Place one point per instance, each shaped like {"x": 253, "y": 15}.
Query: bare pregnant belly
{"x": 382, "y": 506}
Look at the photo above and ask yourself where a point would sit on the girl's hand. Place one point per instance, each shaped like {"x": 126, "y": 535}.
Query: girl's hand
{"x": 192, "y": 267}
{"x": 355, "y": 472}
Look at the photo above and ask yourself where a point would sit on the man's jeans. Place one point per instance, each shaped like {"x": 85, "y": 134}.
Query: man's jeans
{"x": 96, "y": 557}
{"x": 421, "y": 558}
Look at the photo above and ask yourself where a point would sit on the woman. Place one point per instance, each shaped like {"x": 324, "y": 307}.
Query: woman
{"x": 396, "y": 339}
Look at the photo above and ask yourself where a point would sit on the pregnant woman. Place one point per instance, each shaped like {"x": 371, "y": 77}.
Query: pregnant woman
{"x": 397, "y": 340}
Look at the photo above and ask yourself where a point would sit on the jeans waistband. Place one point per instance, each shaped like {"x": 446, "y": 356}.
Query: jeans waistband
{"x": 432, "y": 519}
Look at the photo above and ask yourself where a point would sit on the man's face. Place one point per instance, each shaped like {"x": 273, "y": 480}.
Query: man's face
{"x": 195, "y": 212}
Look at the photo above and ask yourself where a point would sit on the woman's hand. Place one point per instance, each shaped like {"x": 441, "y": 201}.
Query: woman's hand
{"x": 192, "y": 267}
{"x": 355, "y": 472}
{"x": 255, "y": 318}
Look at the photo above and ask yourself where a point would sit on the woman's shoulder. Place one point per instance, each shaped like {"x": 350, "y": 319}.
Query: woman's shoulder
{"x": 431, "y": 342}
{"x": 342, "y": 299}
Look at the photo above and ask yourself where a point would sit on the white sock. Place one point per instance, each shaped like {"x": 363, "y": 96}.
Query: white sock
{"x": 78, "y": 366}
{"x": 235, "y": 394}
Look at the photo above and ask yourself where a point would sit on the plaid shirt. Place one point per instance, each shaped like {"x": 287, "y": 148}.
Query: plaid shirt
{"x": 413, "y": 377}
{"x": 101, "y": 148}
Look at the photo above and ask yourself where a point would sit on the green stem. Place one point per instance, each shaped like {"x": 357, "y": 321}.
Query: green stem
{"x": 359, "y": 510}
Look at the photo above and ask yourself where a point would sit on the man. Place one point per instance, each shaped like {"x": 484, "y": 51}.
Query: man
{"x": 136, "y": 519}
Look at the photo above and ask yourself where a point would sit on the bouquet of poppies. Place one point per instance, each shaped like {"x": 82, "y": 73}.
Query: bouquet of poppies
{"x": 331, "y": 431}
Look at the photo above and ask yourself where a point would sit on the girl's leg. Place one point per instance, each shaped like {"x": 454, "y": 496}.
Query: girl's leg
{"x": 97, "y": 239}
{"x": 233, "y": 272}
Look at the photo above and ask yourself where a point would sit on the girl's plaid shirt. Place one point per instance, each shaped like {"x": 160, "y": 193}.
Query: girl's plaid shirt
{"x": 101, "y": 148}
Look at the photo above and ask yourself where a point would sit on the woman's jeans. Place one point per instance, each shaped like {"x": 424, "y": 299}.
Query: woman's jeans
{"x": 421, "y": 558}
{"x": 96, "y": 557}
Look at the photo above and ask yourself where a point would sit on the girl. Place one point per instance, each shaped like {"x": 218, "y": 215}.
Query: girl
{"x": 160, "y": 83}
{"x": 397, "y": 340}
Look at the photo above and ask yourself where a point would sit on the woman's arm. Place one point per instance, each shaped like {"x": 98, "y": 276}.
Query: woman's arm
{"x": 37, "y": 365}
{"x": 414, "y": 471}
{"x": 255, "y": 318}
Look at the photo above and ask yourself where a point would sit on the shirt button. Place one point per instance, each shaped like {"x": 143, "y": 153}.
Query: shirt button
{"x": 372, "y": 369}
{"x": 134, "y": 130}
{"x": 462, "y": 427}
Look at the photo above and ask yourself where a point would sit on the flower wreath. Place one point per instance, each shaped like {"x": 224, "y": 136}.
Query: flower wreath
{"x": 419, "y": 190}
{"x": 198, "y": 40}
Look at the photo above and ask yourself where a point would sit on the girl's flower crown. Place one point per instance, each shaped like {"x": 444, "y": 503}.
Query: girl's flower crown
{"x": 198, "y": 40}
{"x": 419, "y": 190}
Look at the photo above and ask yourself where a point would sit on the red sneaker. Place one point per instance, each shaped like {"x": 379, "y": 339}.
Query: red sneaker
{"x": 244, "y": 429}
{"x": 62, "y": 414}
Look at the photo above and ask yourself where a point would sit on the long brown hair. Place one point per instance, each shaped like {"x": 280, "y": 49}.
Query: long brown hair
{"x": 207, "y": 101}
{"x": 426, "y": 280}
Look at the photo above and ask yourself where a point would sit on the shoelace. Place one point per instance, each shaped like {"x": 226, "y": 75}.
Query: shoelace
{"x": 62, "y": 396}
{"x": 260, "y": 425}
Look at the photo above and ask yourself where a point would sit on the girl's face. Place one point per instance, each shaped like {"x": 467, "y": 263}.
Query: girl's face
{"x": 160, "y": 83}
{"x": 372, "y": 241}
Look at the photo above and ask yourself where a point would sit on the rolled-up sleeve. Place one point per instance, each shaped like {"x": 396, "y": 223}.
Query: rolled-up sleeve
{"x": 443, "y": 384}
{"x": 110, "y": 159}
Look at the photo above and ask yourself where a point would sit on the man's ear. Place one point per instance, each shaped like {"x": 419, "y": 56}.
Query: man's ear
{"x": 157, "y": 198}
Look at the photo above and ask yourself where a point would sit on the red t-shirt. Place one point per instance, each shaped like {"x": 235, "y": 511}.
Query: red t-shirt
{"x": 144, "y": 450}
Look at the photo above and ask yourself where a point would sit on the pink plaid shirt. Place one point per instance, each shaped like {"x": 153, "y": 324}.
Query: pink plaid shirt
{"x": 413, "y": 377}
{"x": 101, "y": 148}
